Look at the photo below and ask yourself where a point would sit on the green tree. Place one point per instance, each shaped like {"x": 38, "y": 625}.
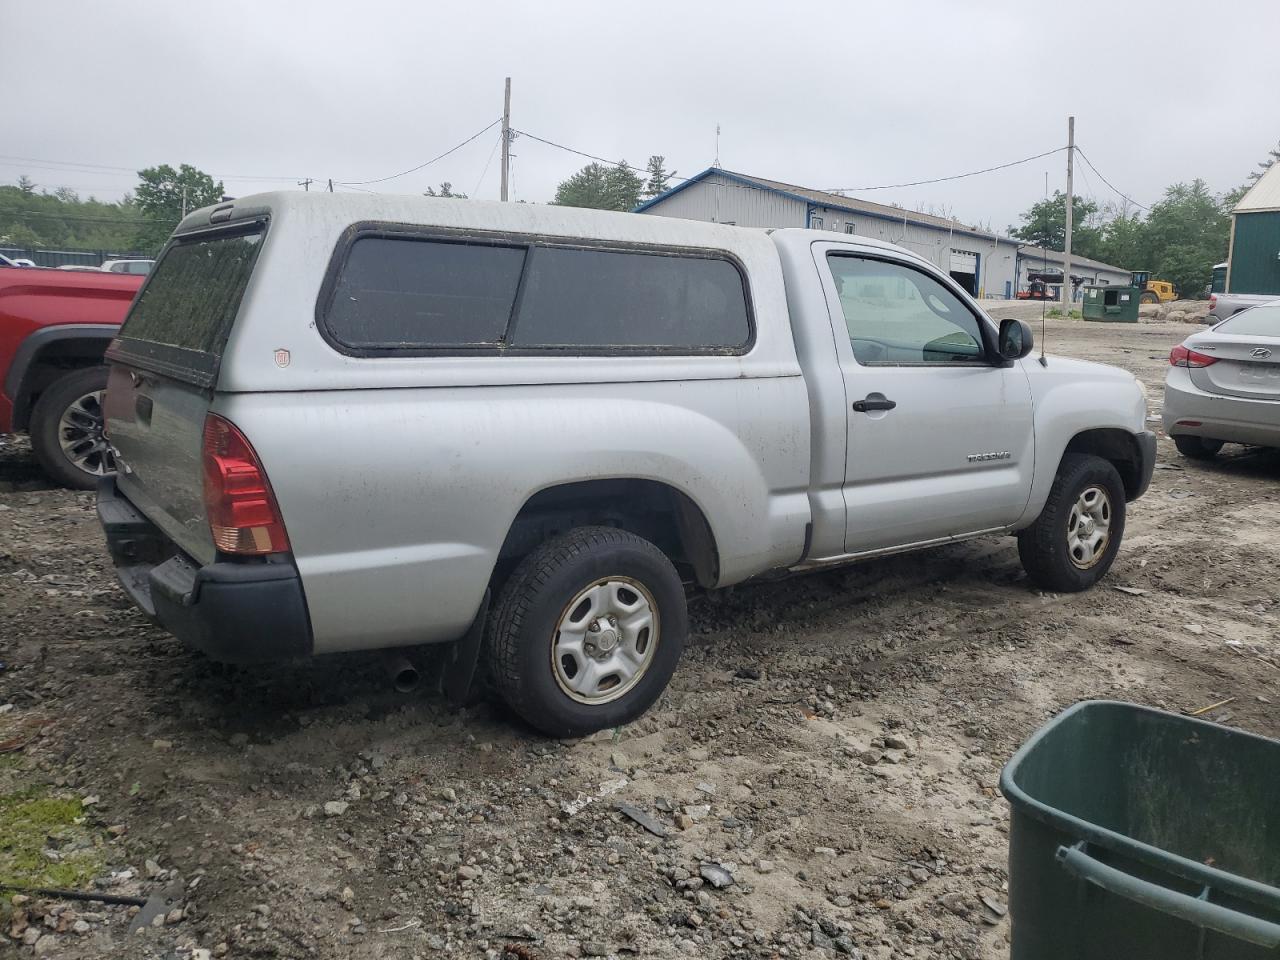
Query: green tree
{"x": 164, "y": 194}
{"x": 1122, "y": 242}
{"x": 659, "y": 178}
{"x": 1185, "y": 234}
{"x": 1045, "y": 225}
{"x": 601, "y": 188}
{"x": 26, "y": 185}
{"x": 34, "y": 219}
{"x": 1273, "y": 157}
{"x": 446, "y": 190}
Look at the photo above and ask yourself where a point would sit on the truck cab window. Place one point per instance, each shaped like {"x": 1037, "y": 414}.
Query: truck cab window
{"x": 899, "y": 315}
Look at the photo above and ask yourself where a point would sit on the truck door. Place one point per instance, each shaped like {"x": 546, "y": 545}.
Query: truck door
{"x": 940, "y": 440}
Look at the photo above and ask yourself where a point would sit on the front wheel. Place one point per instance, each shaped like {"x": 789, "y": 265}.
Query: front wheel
{"x": 1074, "y": 541}
{"x": 587, "y": 631}
{"x": 67, "y": 429}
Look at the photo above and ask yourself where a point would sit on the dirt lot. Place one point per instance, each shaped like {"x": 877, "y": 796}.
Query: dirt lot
{"x": 832, "y": 743}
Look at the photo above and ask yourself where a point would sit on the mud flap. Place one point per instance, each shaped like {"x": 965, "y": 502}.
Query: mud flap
{"x": 458, "y": 678}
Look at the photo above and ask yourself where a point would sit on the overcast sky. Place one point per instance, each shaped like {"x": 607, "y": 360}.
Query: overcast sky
{"x": 822, "y": 94}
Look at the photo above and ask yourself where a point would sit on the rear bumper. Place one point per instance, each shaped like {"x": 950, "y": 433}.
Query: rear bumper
{"x": 1146, "y": 463}
{"x": 1215, "y": 417}
{"x": 233, "y": 612}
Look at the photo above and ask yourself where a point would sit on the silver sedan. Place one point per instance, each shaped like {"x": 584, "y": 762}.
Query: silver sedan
{"x": 1224, "y": 385}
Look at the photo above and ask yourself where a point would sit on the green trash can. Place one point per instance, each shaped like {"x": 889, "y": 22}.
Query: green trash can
{"x": 1112, "y": 304}
{"x": 1143, "y": 835}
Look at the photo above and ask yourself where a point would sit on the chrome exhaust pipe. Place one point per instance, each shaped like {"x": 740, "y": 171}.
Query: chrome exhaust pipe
{"x": 403, "y": 672}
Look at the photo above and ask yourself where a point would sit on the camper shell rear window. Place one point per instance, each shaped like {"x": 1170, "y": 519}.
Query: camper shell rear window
{"x": 405, "y": 292}
{"x": 180, "y": 321}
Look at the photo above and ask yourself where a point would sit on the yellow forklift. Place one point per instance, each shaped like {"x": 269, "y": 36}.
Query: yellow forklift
{"x": 1153, "y": 291}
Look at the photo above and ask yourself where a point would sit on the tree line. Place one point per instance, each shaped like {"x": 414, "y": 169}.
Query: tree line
{"x": 140, "y": 222}
{"x": 1179, "y": 238}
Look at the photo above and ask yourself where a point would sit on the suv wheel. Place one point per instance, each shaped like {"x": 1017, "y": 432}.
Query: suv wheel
{"x": 587, "y": 631}
{"x": 1074, "y": 541}
{"x": 67, "y": 429}
{"x": 1197, "y": 448}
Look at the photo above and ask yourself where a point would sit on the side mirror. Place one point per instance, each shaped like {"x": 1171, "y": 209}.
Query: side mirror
{"x": 1016, "y": 339}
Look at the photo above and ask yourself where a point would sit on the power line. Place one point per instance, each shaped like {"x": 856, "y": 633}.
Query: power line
{"x": 1108, "y": 182}
{"x": 128, "y": 221}
{"x": 487, "y": 163}
{"x": 403, "y": 173}
{"x": 888, "y": 186}
{"x": 76, "y": 166}
{"x": 957, "y": 176}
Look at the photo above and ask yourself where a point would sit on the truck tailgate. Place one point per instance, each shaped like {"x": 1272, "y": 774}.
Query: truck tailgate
{"x": 164, "y": 368}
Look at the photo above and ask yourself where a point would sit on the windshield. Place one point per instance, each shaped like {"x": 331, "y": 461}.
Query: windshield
{"x": 1263, "y": 321}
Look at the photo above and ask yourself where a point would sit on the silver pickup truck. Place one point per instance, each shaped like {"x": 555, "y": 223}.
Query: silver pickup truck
{"x": 363, "y": 422}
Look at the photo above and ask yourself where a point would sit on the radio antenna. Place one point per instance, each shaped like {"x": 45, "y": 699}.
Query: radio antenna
{"x": 1044, "y": 255}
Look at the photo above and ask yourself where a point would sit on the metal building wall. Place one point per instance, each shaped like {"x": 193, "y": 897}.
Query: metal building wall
{"x": 1255, "y": 266}
{"x": 719, "y": 201}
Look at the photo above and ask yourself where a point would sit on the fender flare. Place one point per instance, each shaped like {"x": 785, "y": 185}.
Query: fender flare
{"x": 30, "y": 348}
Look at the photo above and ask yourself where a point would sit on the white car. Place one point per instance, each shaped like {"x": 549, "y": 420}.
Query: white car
{"x": 1224, "y": 385}
{"x": 136, "y": 267}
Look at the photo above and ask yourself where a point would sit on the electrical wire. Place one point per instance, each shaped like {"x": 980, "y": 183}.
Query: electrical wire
{"x": 1108, "y": 182}
{"x": 103, "y": 169}
{"x": 404, "y": 173}
{"x": 887, "y": 186}
{"x": 476, "y": 189}
{"x": 957, "y": 176}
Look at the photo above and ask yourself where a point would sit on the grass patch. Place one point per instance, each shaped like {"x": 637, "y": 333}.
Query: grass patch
{"x": 30, "y": 821}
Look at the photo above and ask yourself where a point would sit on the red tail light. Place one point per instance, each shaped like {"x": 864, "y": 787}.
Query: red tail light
{"x": 1213, "y": 301}
{"x": 242, "y": 511}
{"x": 1180, "y": 356}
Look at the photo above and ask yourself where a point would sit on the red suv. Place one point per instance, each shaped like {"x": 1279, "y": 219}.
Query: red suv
{"x": 54, "y": 326}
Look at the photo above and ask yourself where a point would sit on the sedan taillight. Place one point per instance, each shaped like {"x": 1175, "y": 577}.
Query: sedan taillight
{"x": 1180, "y": 356}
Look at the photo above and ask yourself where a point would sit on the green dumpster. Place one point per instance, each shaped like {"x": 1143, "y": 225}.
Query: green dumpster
{"x": 1142, "y": 835}
{"x": 1113, "y": 304}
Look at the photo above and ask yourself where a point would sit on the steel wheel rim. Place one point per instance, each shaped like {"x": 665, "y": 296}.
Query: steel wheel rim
{"x": 82, "y": 437}
{"x": 605, "y": 640}
{"x": 1089, "y": 527}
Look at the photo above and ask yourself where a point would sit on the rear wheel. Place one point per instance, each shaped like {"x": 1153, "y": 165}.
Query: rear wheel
{"x": 1197, "y": 448}
{"x": 67, "y": 429}
{"x": 587, "y": 631}
{"x": 1075, "y": 539}
{"x": 1148, "y": 297}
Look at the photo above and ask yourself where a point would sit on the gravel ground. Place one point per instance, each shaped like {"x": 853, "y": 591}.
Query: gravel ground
{"x": 821, "y": 776}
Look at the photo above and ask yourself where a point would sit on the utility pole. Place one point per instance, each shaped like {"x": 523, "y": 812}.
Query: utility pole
{"x": 306, "y": 184}
{"x": 184, "y": 200}
{"x": 506, "y": 137}
{"x": 1071, "y": 203}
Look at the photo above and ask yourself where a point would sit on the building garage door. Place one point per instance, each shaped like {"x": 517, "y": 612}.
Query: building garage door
{"x": 964, "y": 269}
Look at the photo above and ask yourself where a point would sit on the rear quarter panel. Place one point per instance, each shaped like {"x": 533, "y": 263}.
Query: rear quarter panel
{"x": 398, "y": 501}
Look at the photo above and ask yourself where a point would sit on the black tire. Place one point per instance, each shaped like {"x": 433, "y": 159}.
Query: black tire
{"x": 1043, "y": 546}
{"x": 1148, "y": 298}
{"x": 1197, "y": 448}
{"x": 46, "y": 420}
{"x": 526, "y": 619}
